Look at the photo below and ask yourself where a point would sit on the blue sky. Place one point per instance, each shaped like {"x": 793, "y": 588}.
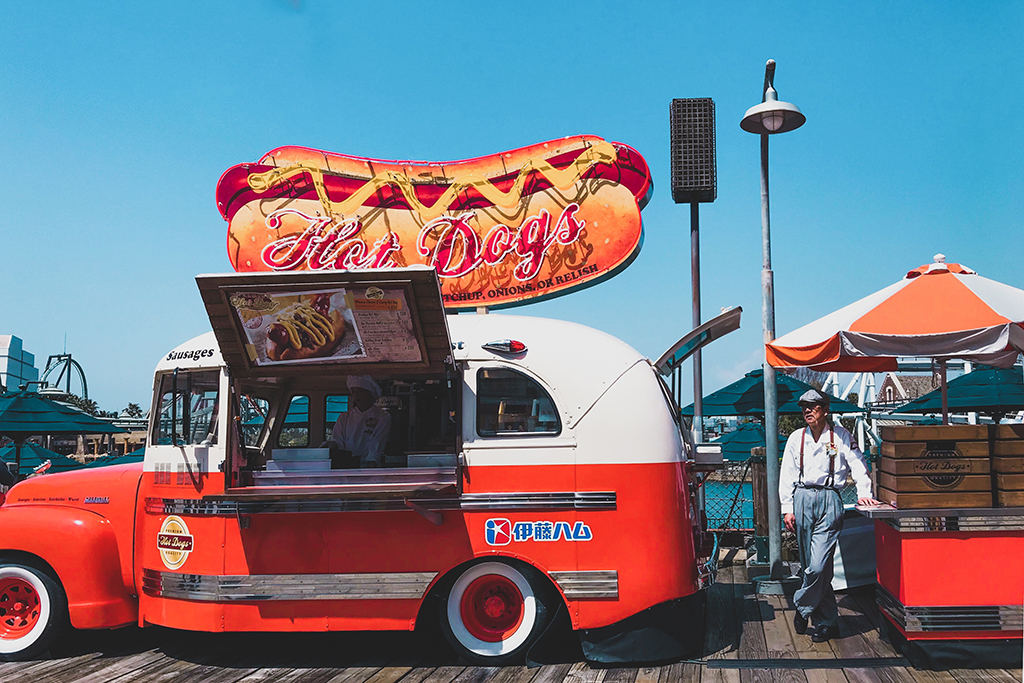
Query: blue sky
{"x": 117, "y": 119}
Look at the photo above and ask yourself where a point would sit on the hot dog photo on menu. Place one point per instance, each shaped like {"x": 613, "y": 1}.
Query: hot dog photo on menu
{"x": 297, "y": 327}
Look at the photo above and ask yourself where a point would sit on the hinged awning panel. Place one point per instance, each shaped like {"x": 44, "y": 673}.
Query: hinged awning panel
{"x": 367, "y": 321}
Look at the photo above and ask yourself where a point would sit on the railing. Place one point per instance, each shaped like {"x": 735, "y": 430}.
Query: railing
{"x": 729, "y": 500}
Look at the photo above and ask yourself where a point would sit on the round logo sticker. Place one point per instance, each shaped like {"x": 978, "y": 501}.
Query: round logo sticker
{"x": 174, "y": 542}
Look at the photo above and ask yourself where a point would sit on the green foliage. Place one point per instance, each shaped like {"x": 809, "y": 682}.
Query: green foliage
{"x": 133, "y": 410}
{"x": 789, "y": 424}
{"x": 86, "y": 405}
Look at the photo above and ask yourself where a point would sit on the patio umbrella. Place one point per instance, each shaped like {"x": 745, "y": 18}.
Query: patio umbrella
{"x": 26, "y": 413}
{"x": 746, "y": 397}
{"x": 993, "y": 391}
{"x": 942, "y": 310}
{"x": 34, "y": 455}
{"x": 134, "y": 456}
{"x": 736, "y": 445}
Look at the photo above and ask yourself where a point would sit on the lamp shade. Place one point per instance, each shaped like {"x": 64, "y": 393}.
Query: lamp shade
{"x": 772, "y": 116}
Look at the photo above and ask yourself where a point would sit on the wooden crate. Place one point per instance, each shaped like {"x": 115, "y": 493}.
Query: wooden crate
{"x": 955, "y": 483}
{"x": 912, "y": 501}
{"x": 1010, "y": 482}
{"x": 1009, "y": 465}
{"x": 936, "y": 433}
{"x": 1009, "y": 432}
{"x": 920, "y": 449}
{"x": 1008, "y": 447}
{"x": 925, "y": 466}
{"x": 1009, "y": 499}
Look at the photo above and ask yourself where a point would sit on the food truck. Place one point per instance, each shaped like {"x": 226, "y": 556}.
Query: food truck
{"x": 526, "y": 471}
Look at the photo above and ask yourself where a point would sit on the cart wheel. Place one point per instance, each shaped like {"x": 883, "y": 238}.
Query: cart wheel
{"x": 33, "y": 610}
{"x": 494, "y": 613}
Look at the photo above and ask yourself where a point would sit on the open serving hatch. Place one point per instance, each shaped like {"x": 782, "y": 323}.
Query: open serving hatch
{"x": 280, "y": 323}
{"x": 290, "y": 340}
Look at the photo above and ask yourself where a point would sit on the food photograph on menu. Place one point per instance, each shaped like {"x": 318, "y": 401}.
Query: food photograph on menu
{"x": 298, "y": 327}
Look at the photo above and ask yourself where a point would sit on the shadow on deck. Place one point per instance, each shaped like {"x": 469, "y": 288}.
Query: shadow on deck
{"x": 749, "y": 638}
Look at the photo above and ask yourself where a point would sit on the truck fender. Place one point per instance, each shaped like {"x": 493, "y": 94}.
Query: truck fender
{"x": 81, "y": 549}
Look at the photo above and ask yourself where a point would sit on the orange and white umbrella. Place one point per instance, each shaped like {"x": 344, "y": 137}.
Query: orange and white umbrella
{"x": 941, "y": 310}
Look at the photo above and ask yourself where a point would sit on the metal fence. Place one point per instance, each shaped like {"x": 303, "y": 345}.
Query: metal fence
{"x": 729, "y": 501}
{"x": 728, "y": 498}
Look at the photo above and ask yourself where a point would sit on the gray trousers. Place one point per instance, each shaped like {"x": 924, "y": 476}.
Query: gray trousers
{"x": 819, "y": 519}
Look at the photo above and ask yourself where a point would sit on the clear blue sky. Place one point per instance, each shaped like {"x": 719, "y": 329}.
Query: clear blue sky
{"x": 117, "y": 118}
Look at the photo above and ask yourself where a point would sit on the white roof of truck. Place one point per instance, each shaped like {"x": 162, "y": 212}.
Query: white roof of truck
{"x": 579, "y": 363}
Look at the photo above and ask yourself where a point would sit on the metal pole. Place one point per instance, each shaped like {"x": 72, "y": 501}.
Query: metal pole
{"x": 698, "y": 380}
{"x": 771, "y": 410}
{"x": 945, "y": 395}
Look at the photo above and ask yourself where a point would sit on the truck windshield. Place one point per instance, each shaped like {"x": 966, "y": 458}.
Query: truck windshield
{"x": 187, "y": 408}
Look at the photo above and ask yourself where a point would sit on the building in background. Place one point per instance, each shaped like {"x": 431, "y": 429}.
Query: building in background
{"x": 17, "y": 366}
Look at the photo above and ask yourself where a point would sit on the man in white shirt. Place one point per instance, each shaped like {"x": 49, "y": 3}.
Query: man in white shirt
{"x": 815, "y": 465}
{"x": 364, "y": 428}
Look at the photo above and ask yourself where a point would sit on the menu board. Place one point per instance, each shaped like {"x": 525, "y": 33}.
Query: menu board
{"x": 326, "y": 325}
{"x": 385, "y": 323}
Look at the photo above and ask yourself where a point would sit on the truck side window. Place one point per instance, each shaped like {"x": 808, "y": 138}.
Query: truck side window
{"x": 333, "y": 407}
{"x": 510, "y": 403}
{"x": 188, "y": 416}
{"x": 254, "y": 417}
{"x": 295, "y": 432}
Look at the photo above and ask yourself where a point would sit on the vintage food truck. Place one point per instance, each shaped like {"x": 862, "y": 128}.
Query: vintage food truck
{"x": 526, "y": 469}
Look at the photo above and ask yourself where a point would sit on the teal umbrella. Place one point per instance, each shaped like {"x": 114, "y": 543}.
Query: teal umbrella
{"x": 736, "y": 445}
{"x": 26, "y": 413}
{"x": 993, "y": 391}
{"x": 127, "y": 458}
{"x": 746, "y": 397}
{"x": 33, "y": 455}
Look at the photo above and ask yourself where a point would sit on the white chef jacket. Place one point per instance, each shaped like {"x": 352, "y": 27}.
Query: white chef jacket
{"x": 363, "y": 433}
{"x": 848, "y": 460}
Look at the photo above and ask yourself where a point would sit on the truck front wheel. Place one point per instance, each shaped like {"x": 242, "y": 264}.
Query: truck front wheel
{"x": 33, "y": 610}
{"x": 495, "y": 612}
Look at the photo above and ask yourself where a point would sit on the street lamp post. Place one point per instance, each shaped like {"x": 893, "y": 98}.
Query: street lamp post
{"x": 770, "y": 118}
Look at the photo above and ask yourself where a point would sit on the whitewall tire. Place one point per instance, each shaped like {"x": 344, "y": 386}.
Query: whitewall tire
{"x": 494, "y": 612}
{"x": 33, "y": 610}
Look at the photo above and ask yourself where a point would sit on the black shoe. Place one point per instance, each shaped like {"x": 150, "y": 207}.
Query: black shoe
{"x": 799, "y": 623}
{"x": 823, "y": 634}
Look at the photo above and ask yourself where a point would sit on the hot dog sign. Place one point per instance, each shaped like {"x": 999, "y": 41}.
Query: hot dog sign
{"x": 500, "y": 230}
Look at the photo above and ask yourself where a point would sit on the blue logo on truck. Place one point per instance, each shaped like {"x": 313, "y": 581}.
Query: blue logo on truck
{"x": 502, "y": 532}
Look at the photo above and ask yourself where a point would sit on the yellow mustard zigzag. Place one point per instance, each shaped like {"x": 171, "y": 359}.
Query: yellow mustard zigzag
{"x": 563, "y": 179}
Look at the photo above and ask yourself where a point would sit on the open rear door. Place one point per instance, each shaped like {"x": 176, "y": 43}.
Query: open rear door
{"x": 273, "y": 324}
{"x": 719, "y": 326}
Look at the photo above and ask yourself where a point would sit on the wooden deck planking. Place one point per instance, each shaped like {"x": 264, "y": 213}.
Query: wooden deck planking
{"x": 742, "y": 626}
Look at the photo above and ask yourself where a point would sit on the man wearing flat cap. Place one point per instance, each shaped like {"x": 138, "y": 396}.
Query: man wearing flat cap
{"x": 815, "y": 465}
{"x": 364, "y": 428}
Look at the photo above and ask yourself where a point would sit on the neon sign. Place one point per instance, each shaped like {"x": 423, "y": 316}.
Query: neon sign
{"x": 500, "y": 230}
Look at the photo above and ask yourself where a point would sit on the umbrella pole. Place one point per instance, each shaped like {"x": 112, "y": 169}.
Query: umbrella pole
{"x": 17, "y": 459}
{"x": 945, "y": 393}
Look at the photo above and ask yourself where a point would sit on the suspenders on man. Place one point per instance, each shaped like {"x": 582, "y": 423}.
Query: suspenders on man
{"x": 831, "y": 450}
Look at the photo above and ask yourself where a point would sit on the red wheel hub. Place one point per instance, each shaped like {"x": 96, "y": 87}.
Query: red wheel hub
{"x": 492, "y": 608}
{"x": 19, "y": 608}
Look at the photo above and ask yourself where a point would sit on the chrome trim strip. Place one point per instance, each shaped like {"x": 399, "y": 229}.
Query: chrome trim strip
{"x": 260, "y": 587}
{"x": 588, "y": 585}
{"x": 957, "y": 523}
{"x": 580, "y": 500}
{"x": 961, "y": 618}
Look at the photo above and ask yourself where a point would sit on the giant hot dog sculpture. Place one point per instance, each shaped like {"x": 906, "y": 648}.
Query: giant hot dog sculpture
{"x": 530, "y": 223}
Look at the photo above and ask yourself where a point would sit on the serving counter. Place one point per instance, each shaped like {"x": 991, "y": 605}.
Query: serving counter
{"x": 951, "y": 583}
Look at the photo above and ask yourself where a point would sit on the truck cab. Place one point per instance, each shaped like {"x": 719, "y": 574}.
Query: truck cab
{"x": 531, "y": 470}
